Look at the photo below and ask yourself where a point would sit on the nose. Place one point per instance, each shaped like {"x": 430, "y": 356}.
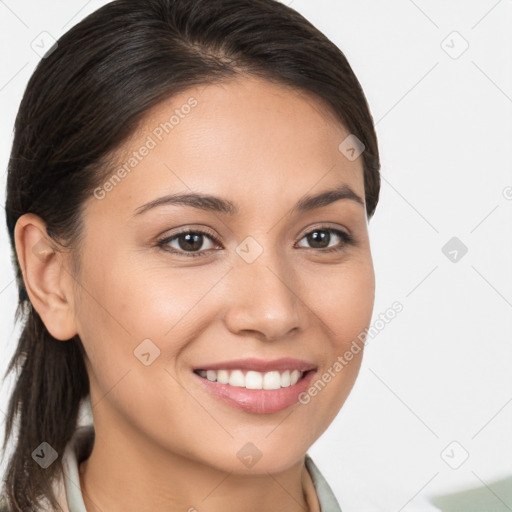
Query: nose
{"x": 263, "y": 299}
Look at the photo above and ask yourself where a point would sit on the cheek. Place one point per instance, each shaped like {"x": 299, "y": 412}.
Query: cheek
{"x": 122, "y": 310}
{"x": 343, "y": 299}
{"x": 140, "y": 302}
{"x": 129, "y": 311}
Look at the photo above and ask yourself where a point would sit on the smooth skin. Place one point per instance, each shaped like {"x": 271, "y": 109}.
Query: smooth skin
{"x": 162, "y": 441}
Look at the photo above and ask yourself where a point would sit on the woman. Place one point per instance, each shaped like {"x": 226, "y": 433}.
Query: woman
{"x": 188, "y": 199}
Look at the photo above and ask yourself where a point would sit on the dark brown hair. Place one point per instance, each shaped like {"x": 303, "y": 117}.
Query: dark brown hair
{"x": 85, "y": 98}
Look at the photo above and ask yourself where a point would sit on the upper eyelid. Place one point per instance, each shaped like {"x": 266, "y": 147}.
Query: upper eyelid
{"x": 325, "y": 226}
{"x": 201, "y": 231}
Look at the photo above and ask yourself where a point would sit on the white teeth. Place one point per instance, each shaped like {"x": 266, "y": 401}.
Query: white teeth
{"x": 222, "y": 376}
{"x": 253, "y": 380}
{"x": 294, "y": 377}
{"x": 271, "y": 380}
{"x": 237, "y": 379}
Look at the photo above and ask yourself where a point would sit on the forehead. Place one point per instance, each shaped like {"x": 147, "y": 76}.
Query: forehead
{"x": 248, "y": 139}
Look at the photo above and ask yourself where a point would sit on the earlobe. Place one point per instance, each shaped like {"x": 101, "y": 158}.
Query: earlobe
{"x": 45, "y": 276}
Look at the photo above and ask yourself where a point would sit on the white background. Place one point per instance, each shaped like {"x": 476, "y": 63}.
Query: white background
{"x": 441, "y": 370}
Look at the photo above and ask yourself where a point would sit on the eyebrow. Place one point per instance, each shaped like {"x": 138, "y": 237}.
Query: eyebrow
{"x": 217, "y": 204}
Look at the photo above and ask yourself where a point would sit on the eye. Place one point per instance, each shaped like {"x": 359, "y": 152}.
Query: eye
{"x": 321, "y": 237}
{"x": 189, "y": 243}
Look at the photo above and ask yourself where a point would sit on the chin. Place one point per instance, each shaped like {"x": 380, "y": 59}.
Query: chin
{"x": 259, "y": 457}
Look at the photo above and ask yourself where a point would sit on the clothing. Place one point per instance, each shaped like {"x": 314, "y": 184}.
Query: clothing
{"x": 69, "y": 493}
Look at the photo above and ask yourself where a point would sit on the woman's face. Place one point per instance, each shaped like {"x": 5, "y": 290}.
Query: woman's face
{"x": 266, "y": 286}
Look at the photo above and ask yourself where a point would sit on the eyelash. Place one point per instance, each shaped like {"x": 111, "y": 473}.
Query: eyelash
{"x": 162, "y": 244}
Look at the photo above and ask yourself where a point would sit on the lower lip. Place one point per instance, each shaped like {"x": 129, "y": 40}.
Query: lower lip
{"x": 259, "y": 401}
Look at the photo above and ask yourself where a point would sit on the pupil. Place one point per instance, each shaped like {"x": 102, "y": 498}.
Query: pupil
{"x": 317, "y": 237}
{"x": 193, "y": 241}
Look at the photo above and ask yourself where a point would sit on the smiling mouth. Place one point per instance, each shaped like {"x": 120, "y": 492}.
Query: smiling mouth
{"x": 250, "y": 379}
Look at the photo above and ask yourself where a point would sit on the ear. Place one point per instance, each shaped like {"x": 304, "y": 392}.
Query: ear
{"x": 47, "y": 281}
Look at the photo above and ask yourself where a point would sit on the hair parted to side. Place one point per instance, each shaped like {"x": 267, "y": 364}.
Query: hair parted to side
{"x": 82, "y": 102}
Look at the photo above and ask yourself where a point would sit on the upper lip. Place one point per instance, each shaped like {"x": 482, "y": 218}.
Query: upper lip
{"x": 261, "y": 365}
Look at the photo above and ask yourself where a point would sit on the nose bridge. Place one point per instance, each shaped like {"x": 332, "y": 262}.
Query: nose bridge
{"x": 264, "y": 296}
